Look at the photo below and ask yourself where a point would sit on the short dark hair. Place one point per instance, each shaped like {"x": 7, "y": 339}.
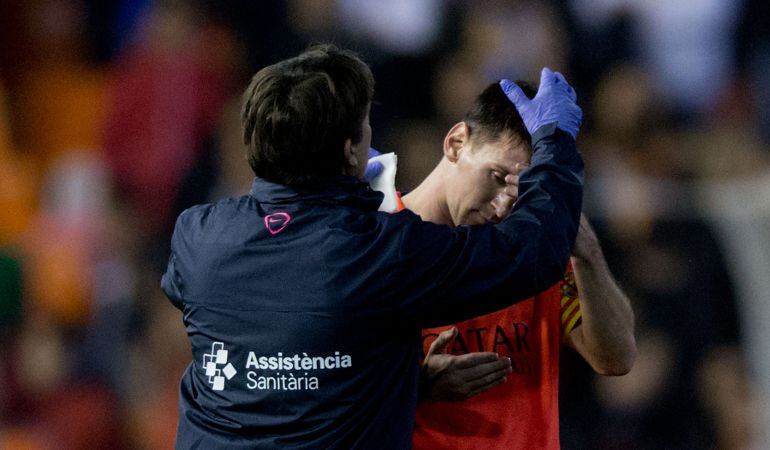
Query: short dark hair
{"x": 493, "y": 115}
{"x": 298, "y": 113}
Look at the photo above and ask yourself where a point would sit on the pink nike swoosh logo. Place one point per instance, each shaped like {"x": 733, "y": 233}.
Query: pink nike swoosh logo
{"x": 276, "y": 222}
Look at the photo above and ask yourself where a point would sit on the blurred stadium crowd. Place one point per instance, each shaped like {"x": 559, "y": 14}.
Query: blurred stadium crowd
{"x": 115, "y": 116}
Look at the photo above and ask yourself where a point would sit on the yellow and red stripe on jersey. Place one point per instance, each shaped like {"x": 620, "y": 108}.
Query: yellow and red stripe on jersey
{"x": 569, "y": 302}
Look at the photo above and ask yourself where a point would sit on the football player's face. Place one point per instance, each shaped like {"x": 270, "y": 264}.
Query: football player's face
{"x": 485, "y": 185}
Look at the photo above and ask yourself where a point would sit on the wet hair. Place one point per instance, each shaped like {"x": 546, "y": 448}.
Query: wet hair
{"x": 494, "y": 117}
{"x": 298, "y": 113}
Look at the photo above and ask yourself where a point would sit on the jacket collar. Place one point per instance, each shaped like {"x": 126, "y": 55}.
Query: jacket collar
{"x": 342, "y": 190}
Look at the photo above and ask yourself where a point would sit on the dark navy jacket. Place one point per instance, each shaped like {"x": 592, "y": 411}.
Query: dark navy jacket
{"x": 304, "y": 309}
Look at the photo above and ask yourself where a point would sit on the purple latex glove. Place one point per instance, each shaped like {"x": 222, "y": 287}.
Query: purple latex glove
{"x": 553, "y": 103}
{"x": 372, "y": 168}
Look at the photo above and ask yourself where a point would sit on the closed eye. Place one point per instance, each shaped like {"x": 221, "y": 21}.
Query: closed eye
{"x": 499, "y": 177}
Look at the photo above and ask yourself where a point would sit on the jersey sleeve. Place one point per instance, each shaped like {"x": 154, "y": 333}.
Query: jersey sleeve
{"x": 569, "y": 303}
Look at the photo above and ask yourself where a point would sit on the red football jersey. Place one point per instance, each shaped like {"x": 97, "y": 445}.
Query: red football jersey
{"x": 522, "y": 413}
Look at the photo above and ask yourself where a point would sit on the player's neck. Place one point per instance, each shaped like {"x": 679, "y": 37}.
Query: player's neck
{"x": 428, "y": 200}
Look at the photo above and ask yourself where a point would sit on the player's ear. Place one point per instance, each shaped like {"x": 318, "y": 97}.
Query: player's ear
{"x": 351, "y": 160}
{"x": 455, "y": 140}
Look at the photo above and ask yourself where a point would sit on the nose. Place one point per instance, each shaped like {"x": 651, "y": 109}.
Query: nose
{"x": 503, "y": 204}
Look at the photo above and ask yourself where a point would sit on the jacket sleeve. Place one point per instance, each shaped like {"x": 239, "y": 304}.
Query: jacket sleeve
{"x": 448, "y": 275}
{"x": 171, "y": 282}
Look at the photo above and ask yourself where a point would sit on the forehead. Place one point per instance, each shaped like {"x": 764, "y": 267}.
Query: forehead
{"x": 504, "y": 152}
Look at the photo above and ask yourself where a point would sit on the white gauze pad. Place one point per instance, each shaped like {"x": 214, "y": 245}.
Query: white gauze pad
{"x": 385, "y": 182}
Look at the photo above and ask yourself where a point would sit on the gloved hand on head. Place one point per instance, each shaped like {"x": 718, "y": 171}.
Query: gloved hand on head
{"x": 555, "y": 102}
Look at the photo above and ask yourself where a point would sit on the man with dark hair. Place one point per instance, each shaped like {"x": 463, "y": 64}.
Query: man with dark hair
{"x": 476, "y": 182}
{"x": 303, "y": 303}
{"x": 299, "y": 113}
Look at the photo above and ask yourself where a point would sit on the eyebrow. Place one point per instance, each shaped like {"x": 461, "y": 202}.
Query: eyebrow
{"x": 500, "y": 168}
